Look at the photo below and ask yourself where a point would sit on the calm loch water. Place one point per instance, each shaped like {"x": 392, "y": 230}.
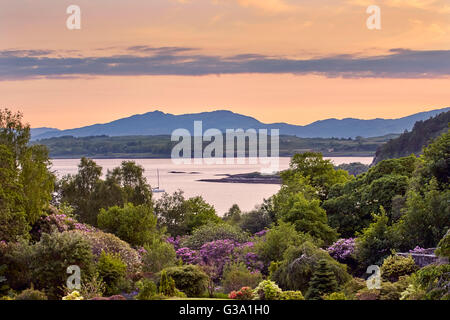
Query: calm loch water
{"x": 175, "y": 176}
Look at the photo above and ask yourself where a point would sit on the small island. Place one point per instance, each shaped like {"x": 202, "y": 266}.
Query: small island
{"x": 253, "y": 177}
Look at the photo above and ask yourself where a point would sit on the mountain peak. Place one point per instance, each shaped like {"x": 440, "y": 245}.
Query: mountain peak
{"x": 159, "y": 123}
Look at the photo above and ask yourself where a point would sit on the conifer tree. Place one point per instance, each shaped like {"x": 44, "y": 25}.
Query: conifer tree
{"x": 322, "y": 282}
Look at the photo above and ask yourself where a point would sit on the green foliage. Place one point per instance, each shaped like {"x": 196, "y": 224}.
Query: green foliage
{"x": 26, "y": 183}
{"x": 159, "y": 255}
{"x": 237, "y": 275}
{"x": 354, "y": 168}
{"x": 308, "y": 217}
{"x": 296, "y": 270}
{"x": 133, "y": 224}
{"x": 335, "y": 296}
{"x": 437, "y": 159}
{"x": 92, "y": 287}
{"x": 393, "y": 291}
{"x": 267, "y": 290}
{"x": 394, "y": 267}
{"x": 87, "y": 193}
{"x": 322, "y": 282}
{"x": 53, "y": 254}
{"x": 443, "y": 248}
{"x": 111, "y": 270}
{"x": 435, "y": 281}
{"x": 415, "y": 140}
{"x": 426, "y": 217}
{"x": 277, "y": 240}
{"x": 211, "y": 232}
{"x": 255, "y": 221}
{"x": 181, "y": 216}
{"x": 375, "y": 242}
{"x": 16, "y": 259}
{"x": 160, "y": 146}
{"x": 189, "y": 279}
{"x": 349, "y": 206}
{"x": 233, "y": 215}
{"x": 166, "y": 285}
{"x": 319, "y": 173}
{"x": 74, "y": 295}
{"x": 82, "y": 191}
{"x": 147, "y": 290}
{"x": 31, "y": 294}
{"x": 291, "y": 295}
{"x": 129, "y": 184}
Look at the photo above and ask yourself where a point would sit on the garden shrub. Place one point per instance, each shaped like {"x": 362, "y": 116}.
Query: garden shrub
{"x": 166, "y": 285}
{"x": 111, "y": 270}
{"x": 343, "y": 251}
{"x": 443, "y": 248}
{"x": 147, "y": 290}
{"x": 159, "y": 254}
{"x": 395, "y": 266}
{"x": 291, "y": 295}
{"x": 31, "y": 294}
{"x": 267, "y": 290}
{"x": 53, "y": 254}
{"x": 274, "y": 243}
{"x": 134, "y": 224}
{"x": 296, "y": 270}
{"x": 246, "y": 293}
{"x": 254, "y": 221}
{"x": 435, "y": 281}
{"x": 237, "y": 275}
{"x": 335, "y": 296}
{"x": 393, "y": 291}
{"x": 322, "y": 282}
{"x": 190, "y": 279}
{"x": 212, "y": 232}
{"x": 92, "y": 287}
{"x": 57, "y": 222}
{"x": 351, "y": 288}
{"x": 109, "y": 243}
{"x": 74, "y": 295}
{"x": 16, "y": 257}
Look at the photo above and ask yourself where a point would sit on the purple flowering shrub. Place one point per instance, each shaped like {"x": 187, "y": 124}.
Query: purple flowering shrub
{"x": 419, "y": 250}
{"x": 215, "y": 255}
{"x": 342, "y": 250}
{"x": 176, "y": 242}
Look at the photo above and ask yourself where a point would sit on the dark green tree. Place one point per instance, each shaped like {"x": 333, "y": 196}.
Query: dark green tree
{"x": 322, "y": 282}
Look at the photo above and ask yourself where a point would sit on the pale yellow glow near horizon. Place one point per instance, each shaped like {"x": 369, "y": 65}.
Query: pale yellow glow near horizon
{"x": 269, "y": 98}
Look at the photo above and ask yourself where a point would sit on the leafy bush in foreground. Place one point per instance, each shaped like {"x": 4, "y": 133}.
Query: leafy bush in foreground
{"x": 189, "y": 279}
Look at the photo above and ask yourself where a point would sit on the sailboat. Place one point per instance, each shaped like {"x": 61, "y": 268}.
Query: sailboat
{"x": 157, "y": 189}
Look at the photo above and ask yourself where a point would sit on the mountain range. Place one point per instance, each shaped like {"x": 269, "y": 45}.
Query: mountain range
{"x": 160, "y": 123}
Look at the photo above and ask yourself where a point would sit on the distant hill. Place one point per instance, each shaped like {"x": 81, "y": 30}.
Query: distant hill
{"x": 160, "y": 123}
{"x": 161, "y": 146}
{"x": 35, "y": 132}
{"x": 413, "y": 142}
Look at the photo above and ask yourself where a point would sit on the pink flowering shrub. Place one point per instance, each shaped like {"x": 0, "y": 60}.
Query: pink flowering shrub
{"x": 419, "y": 250}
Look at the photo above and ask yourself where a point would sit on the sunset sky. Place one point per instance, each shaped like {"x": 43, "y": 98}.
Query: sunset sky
{"x": 292, "y": 61}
